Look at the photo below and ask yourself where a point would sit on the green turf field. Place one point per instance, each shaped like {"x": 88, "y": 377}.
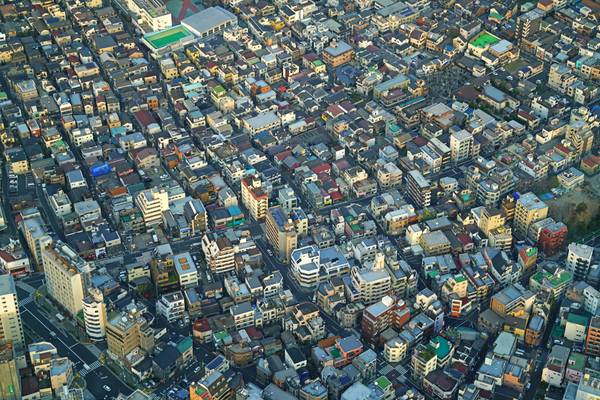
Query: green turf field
{"x": 485, "y": 39}
{"x": 167, "y": 37}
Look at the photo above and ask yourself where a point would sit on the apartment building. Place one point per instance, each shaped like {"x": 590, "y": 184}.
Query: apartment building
{"x": 529, "y": 209}
{"x": 579, "y": 260}
{"x": 171, "y": 306}
{"x": 419, "y": 189}
{"x": 67, "y": 276}
{"x": 281, "y": 233}
{"x": 254, "y": 197}
{"x": 370, "y": 283}
{"x": 311, "y": 265}
{"x": 462, "y": 146}
{"x": 592, "y": 341}
{"x": 94, "y": 314}
{"x": 186, "y": 271}
{"x": 337, "y": 53}
{"x": 513, "y": 300}
{"x": 11, "y": 328}
{"x": 152, "y": 203}
{"x": 219, "y": 253}
{"x": 36, "y": 238}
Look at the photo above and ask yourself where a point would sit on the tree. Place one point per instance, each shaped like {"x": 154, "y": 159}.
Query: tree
{"x": 581, "y": 208}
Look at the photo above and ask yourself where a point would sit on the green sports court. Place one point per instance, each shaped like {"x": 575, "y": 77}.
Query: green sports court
{"x": 167, "y": 37}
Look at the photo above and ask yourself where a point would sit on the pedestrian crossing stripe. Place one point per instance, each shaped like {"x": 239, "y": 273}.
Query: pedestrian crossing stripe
{"x": 25, "y": 301}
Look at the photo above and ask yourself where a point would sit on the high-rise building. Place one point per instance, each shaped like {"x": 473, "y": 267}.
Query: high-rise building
{"x": 529, "y": 209}
{"x": 579, "y": 260}
{"x": 219, "y": 253}
{"x": 592, "y": 341}
{"x": 10, "y": 381}
{"x": 254, "y": 197}
{"x": 461, "y": 145}
{"x": 152, "y": 203}
{"x": 94, "y": 314}
{"x": 36, "y": 238}
{"x": 281, "y": 233}
{"x": 127, "y": 331}
{"x": 67, "y": 276}
{"x": 11, "y": 328}
{"x": 419, "y": 189}
{"x": 372, "y": 282}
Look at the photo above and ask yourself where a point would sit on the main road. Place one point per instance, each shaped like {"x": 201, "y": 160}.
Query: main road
{"x": 97, "y": 376}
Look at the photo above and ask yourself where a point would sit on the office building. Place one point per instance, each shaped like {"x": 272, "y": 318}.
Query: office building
{"x": 94, "y": 314}
{"x": 67, "y": 276}
{"x": 281, "y": 233}
{"x": 152, "y": 203}
{"x": 11, "y": 328}
{"x": 579, "y": 260}
{"x": 529, "y": 209}
{"x": 127, "y": 331}
{"x": 254, "y": 197}
{"x": 418, "y": 188}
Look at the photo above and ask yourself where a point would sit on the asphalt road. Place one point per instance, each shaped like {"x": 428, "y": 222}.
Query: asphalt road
{"x": 67, "y": 346}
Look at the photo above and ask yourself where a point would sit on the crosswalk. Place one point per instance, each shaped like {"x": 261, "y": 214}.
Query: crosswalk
{"x": 25, "y": 301}
{"x": 83, "y": 372}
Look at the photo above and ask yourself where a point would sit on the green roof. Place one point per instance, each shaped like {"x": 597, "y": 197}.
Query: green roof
{"x": 184, "y": 344}
{"x": 555, "y": 280}
{"x": 200, "y": 390}
{"x": 577, "y": 319}
{"x": 484, "y": 39}
{"x": 427, "y": 352}
{"x": 577, "y": 361}
{"x": 441, "y": 346}
{"x": 382, "y": 382}
{"x": 335, "y": 352}
{"x": 221, "y": 335}
{"x": 459, "y": 278}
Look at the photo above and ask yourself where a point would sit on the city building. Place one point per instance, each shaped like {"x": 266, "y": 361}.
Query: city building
{"x": 254, "y": 197}
{"x": 219, "y": 253}
{"x": 94, "y": 314}
{"x": 67, "y": 276}
{"x": 152, "y": 203}
{"x": 209, "y": 21}
{"x": 186, "y": 270}
{"x": 312, "y": 265}
{"x": 529, "y": 209}
{"x": 150, "y": 15}
{"x": 171, "y": 306}
{"x": 579, "y": 260}
{"x": 418, "y": 189}
{"x": 10, "y": 384}
{"x": 127, "y": 331}
{"x": 11, "y": 328}
{"x": 281, "y": 233}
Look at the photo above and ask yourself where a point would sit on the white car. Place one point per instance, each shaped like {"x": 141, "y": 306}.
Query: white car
{"x": 106, "y": 387}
